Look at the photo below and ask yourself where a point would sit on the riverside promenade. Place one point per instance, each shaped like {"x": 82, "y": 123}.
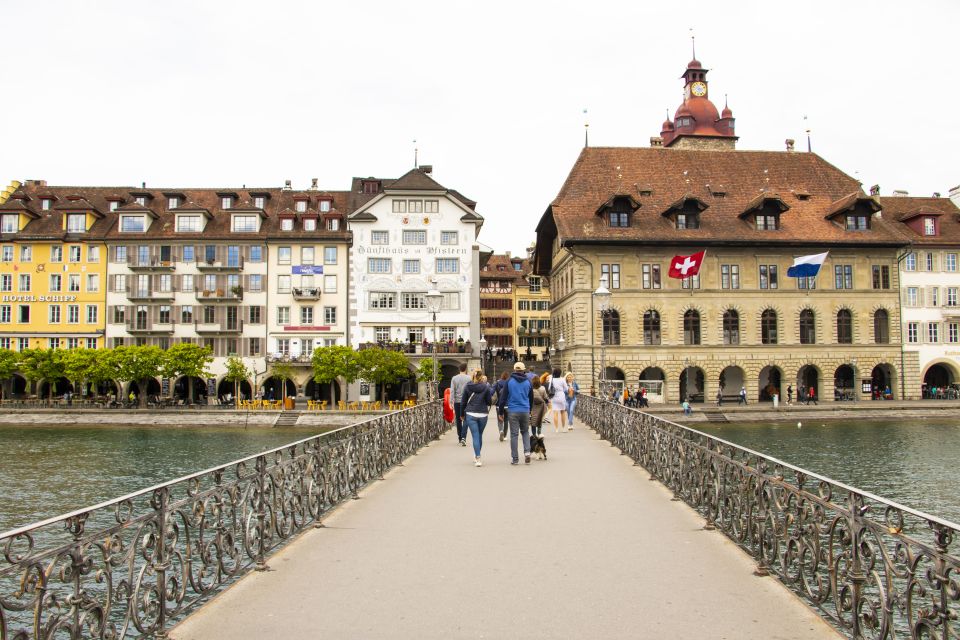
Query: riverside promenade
{"x": 581, "y": 545}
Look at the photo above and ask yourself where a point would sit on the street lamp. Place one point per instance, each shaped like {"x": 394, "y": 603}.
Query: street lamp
{"x": 434, "y": 300}
{"x": 483, "y": 353}
{"x": 602, "y": 296}
{"x": 561, "y": 343}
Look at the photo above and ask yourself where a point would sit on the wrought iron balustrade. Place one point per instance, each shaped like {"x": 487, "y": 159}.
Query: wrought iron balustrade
{"x": 131, "y": 566}
{"x": 870, "y": 566}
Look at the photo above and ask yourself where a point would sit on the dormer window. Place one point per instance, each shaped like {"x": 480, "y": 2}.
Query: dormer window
{"x": 245, "y": 224}
{"x": 141, "y": 200}
{"x": 286, "y": 224}
{"x": 260, "y": 202}
{"x": 333, "y": 224}
{"x": 189, "y": 224}
{"x": 9, "y": 223}
{"x": 619, "y": 219}
{"x": 114, "y": 205}
{"x": 929, "y": 227}
{"x": 76, "y": 222}
{"x": 324, "y": 206}
{"x": 688, "y": 220}
{"x": 301, "y": 206}
{"x": 226, "y": 202}
{"x": 857, "y": 222}
{"x": 371, "y": 186}
{"x": 133, "y": 224}
{"x": 173, "y": 202}
{"x": 46, "y": 203}
{"x": 309, "y": 224}
{"x": 767, "y": 221}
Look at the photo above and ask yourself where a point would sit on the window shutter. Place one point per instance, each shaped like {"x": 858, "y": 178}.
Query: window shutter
{"x": 919, "y": 296}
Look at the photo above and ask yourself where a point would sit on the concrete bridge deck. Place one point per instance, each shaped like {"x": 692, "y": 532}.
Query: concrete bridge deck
{"x": 582, "y": 545}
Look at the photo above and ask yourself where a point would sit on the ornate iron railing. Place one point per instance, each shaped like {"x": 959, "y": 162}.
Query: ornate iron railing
{"x": 872, "y": 567}
{"x": 130, "y": 566}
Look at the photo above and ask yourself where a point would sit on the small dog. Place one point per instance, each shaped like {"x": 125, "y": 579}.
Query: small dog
{"x": 538, "y": 447}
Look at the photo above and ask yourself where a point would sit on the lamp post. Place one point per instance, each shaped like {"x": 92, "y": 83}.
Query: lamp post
{"x": 434, "y": 300}
{"x": 483, "y": 353}
{"x": 602, "y": 296}
{"x": 686, "y": 386}
{"x": 561, "y": 343}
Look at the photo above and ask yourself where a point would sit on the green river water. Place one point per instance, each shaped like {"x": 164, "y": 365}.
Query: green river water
{"x": 49, "y": 470}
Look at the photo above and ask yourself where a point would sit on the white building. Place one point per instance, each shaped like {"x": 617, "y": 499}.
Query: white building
{"x": 929, "y": 287}
{"x": 410, "y": 236}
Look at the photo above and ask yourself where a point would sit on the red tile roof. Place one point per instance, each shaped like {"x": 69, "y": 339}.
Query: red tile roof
{"x": 904, "y": 209}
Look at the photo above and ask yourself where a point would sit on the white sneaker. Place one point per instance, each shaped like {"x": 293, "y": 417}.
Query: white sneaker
{"x": 478, "y": 463}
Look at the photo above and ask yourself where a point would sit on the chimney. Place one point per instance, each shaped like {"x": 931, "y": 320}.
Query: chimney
{"x": 313, "y": 183}
{"x": 143, "y": 185}
{"x": 656, "y": 141}
{"x": 790, "y": 143}
{"x": 287, "y": 185}
{"x": 426, "y": 168}
{"x": 936, "y": 194}
{"x": 875, "y": 190}
{"x": 900, "y": 193}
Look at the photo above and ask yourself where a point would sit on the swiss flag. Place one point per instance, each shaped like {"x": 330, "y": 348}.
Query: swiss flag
{"x": 686, "y": 266}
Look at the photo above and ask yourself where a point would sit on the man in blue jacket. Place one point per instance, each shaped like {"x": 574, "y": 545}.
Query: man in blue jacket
{"x": 517, "y": 400}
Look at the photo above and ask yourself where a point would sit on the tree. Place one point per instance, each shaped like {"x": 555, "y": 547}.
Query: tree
{"x": 139, "y": 364}
{"x": 43, "y": 364}
{"x": 425, "y": 372}
{"x": 237, "y": 372}
{"x": 382, "y": 366}
{"x": 282, "y": 371}
{"x": 79, "y": 364}
{"x": 9, "y": 363}
{"x": 330, "y": 363}
{"x": 187, "y": 359}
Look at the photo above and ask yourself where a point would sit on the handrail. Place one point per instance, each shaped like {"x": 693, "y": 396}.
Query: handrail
{"x": 888, "y": 576}
{"x": 129, "y": 566}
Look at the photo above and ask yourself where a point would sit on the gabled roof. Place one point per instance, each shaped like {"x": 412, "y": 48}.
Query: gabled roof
{"x": 77, "y": 203}
{"x": 762, "y": 201}
{"x": 680, "y": 204}
{"x": 134, "y": 207}
{"x": 851, "y": 202}
{"x": 906, "y": 210}
{"x": 634, "y": 205}
{"x": 18, "y": 205}
{"x": 923, "y": 210}
{"x": 192, "y": 207}
{"x": 414, "y": 180}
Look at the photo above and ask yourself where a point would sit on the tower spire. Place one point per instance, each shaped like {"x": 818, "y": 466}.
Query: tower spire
{"x": 693, "y": 44}
{"x": 586, "y": 130}
{"x": 415, "y": 150}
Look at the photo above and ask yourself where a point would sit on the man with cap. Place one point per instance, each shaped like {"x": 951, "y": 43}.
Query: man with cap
{"x": 518, "y": 400}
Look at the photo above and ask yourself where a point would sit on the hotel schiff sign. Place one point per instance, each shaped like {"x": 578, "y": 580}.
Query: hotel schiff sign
{"x": 39, "y": 298}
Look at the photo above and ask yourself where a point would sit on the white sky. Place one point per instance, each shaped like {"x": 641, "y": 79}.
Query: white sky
{"x": 192, "y": 93}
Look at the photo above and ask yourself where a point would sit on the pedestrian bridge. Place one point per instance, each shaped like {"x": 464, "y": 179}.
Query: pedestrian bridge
{"x": 635, "y": 527}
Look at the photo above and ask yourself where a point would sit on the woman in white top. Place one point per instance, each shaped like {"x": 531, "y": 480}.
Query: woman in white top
{"x": 558, "y": 401}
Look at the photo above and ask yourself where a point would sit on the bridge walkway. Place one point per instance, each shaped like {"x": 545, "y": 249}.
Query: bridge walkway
{"x": 581, "y": 545}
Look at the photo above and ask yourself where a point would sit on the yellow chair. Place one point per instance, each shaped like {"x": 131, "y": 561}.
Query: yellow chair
{"x": 376, "y": 406}
{"x": 323, "y": 405}
{"x": 341, "y": 405}
{"x": 365, "y": 405}
{"x": 353, "y": 406}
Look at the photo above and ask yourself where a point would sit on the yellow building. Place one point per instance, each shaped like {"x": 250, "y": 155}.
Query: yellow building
{"x": 52, "y": 271}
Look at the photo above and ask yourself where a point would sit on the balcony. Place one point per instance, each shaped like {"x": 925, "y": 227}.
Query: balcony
{"x": 306, "y": 293}
{"x": 221, "y": 266}
{"x": 220, "y": 295}
{"x": 226, "y": 326}
{"x": 146, "y": 295}
{"x": 149, "y": 327}
{"x": 153, "y": 264}
{"x": 301, "y": 361}
{"x": 420, "y": 348}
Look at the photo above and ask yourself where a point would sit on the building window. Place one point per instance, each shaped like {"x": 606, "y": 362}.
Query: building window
{"x": 808, "y": 330}
{"x": 399, "y": 206}
{"x": 56, "y": 253}
{"x": 244, "y": 224}
{"x": 881, "y": 327}
{"x": 857, "y": 222}
{"x": 767, "y": 222}
{"x": 619, "y": 219}
{"x": 731, "y": 327}
{"x": 26, "y": 253}
{"x": 333, "y": 224}
{"x": 6, "y": 282}
{"x": 381, "y": 334}
{"x": 192, "y": 223}
{"x": 286, "y": 224}
{"x": 73, "y": 313}
{"x": 329, "y": 315}
{"x": 843, "y": 276}
{"x": 810, "y": 282}
{"x": 226, "y": 202}
{"x": 931, "y": 262}
{"x": 768, "y": 327}
{"x": 76, "y": 222}
{"x": 74, "y": 253}
{"x": 691, "y": 327}
{"x": 92, "y": 313}
{"x": 688, "y": 220}
{"x": 450, "y": 301}
{"x": 414, "y": 237}
{"x": 431, "y": 206}
{"x": 448, "y": 237}
{"x": 330, "y": 284}
{"x": 881, "y": 276}
{"x": 45, "y": 203}
{"x": 383, "y": 300}
{"x": 690, "y": 282}
{"x": 910, "y": 262}
{"x": 534, "y": 282}
{"x": 380, "y": 237}
{"x": 913, "y": 332}
{"x": 53, "y": 313}
{"x": 611, "y": 327}
{"x": 56, "y": 282}
{"x": 324, "y": 206}
{"x": 24, "y": 282}
{"x": 912, "y": 296}
{"x": 610, "y": 276}
{"x": 651, "y": 327}
{"x": 306, "y": 315}
{"x": 23, "y": 313}
{"x": 933, "y": 332}
{"x": 951, "y": 296}
{"x": 448, "y": 265}
{"x": 307, "y": 255}
{"x": 329, "y": 255}
{"x": 93, "y": 253}
{"x": 929, "y": 227}
{"x": 950, "y": 262}
{"x": 729, "y": 276}
{"x": 283, "y": 315}
{"x": 411, "y": 266}
{"x": 91, "y": 343}
{"x": 53, "y": 343}
{"x": 768, "y": 276}
{"x": 934, "y": 296}
{"x": 93, "y": 282}
{"x": 133, "y": 224}
{"x": 412, "y": 301}
{"x": 283, "y": 255}
{"x": 5, "y": 315}
{"x": 953, "y": 332}
{"x": 283, "y": 284}
{"x": 6, "y": 254}
{"x": 73, "y": 282}
{"x": 844, "y": 327}
{"x": 650, "y": 275}
{"x": 301, "y": 206}
{"x": 309, "y": 224}
{"x": 414, "y": 206}
{"x": 379, "y": 265}
{"x": 9, "y": 223}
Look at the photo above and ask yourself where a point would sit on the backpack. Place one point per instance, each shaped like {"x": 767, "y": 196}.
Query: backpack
{"x": 550, "y": 388}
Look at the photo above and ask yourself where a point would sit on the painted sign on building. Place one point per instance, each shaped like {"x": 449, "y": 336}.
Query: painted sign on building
{"x": 308, "y": 269}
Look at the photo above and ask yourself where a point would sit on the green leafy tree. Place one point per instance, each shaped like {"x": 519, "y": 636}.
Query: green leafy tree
{"x": 330, "y": 363}
{"x": 425, "y": 372}
{"x": 139, "y": 364}
{"x": 382, "y": 366}
{"x": 282, "y": 371}
{"x": 9, "y": 363}
{"x": 43, "y": 364}
{"x": 78, "y": 365}
{"x": 237, "y": 372}
{"x": 187, "y": 359}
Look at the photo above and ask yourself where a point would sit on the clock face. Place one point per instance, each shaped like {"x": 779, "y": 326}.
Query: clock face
{"x": 699, "y": 89}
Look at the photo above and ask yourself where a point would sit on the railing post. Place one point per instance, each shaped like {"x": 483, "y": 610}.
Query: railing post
{"x": 161, "y": 562}
{"x": 261, "y": 513}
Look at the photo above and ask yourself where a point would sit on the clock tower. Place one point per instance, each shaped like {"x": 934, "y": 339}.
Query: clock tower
{"x": 697, "y": 124}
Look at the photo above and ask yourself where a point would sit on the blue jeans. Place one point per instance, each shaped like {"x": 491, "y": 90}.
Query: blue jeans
{"x": 571, "y": 405}
{"x": 519, "y": 425}
{"x": 461, "y": 427}
{"x": 476, "y": 426}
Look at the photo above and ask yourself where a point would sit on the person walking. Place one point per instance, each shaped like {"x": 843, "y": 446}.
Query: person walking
{"x": 811, "y": 396}
{"x": 557, "y": 390}
{"x": 457, "y": 385}
{"x": 789, "y": 394}
{"x": 573, "y": 390}
{"x": 719, "y": 397}
{"x": 540, "y": 404}
{"x": 475, "y": 405}
{"x": 517, "y": 401}
{"x": 500, "y": 388}
{"x": 743, "y": 396}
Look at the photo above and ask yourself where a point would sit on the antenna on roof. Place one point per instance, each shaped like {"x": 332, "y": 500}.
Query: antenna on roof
{"x": 809, "y": 149}
{"x": 415, "y": 164}
{"x": 586, "y": 129}
{"x": 693, "y": 43}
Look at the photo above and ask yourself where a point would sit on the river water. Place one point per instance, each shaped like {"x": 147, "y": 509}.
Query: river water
{"x": 915, "y": 462}
{"x": 49, "y": 470}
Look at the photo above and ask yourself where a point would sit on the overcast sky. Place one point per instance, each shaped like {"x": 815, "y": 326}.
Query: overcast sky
{"x": 196, "y": 93}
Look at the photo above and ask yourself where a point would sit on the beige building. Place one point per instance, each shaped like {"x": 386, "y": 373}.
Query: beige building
{"x": 624, "y": 213}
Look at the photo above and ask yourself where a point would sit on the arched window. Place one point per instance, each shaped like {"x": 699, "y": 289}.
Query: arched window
{"x": 691, "y": 327}
{"x": 731, "y": 327}
{"x": 881, "y": 327}
{"x": 844, "y": 327}
{"x": 768, "y": 327}
{"x": 611, "y": 327}
{"x": 651, "y": 327}
{"x": 808, "y": 330}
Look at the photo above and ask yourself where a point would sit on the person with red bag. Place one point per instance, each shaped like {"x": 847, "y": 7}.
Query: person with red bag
{"x": 447, "y": 407}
